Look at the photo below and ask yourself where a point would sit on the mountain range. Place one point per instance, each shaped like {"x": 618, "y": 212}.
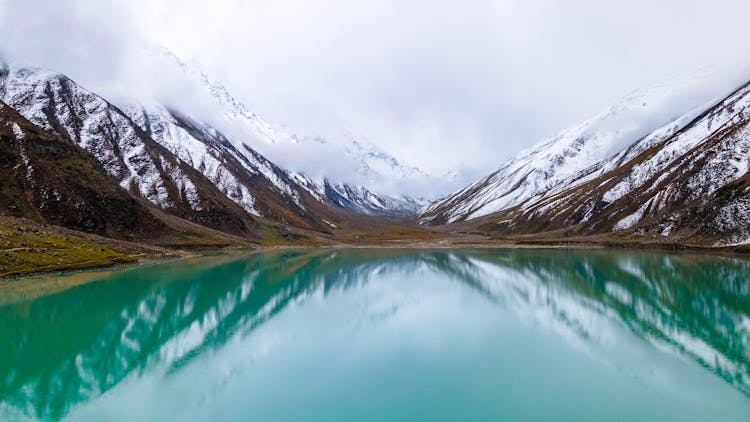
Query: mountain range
{"x": 369, "y": 162}
{"x": 177, "y": 162}
{"x": 153, "y": 172}
{"x": 679, "y": 179}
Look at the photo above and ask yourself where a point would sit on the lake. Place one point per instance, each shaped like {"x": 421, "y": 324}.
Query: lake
{"x": 383, "y": 335}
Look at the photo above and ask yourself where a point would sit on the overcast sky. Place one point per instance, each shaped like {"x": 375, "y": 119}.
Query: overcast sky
{"x": 440, "y": 84}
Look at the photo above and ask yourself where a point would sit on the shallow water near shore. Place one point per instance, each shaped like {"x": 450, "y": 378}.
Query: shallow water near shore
{"x": 491, "y": 334}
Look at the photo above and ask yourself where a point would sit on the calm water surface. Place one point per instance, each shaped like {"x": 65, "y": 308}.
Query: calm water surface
{"x": 383, "y": 335}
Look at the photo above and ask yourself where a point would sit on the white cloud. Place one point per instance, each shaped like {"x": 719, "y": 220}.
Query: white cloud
{"x": 440, "y": 84}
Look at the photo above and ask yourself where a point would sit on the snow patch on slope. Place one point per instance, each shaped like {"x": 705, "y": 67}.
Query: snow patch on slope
{"x": 350, "y": 160}
{"x": 165, "y": 129}
{"x": 571, "y": 155}
{"x": 92, "y": 123}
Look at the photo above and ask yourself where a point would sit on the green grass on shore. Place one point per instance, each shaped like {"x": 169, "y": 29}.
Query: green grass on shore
{"x": 27, "y": 248}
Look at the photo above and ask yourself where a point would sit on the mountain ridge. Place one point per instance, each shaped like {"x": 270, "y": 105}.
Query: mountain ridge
{"x": 129, "y": 156}
{"x": 684, "y": 182}
{"x": 549, "y": 166}
{"x": 371, "y": 163}
{"x": 151, "y": 173}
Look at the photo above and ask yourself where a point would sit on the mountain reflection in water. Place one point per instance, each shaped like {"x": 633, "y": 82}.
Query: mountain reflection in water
{"x": 61, "y": 348}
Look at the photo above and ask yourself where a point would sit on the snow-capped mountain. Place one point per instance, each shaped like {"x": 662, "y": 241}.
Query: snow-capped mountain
{"x": 372, "y": 165}
{"x": 46, "y": 178}
{"x": 128, "y": 155}
{"x": 691, "y": 185}
{"x": 255, "y": 183}
{"x": 241, "y": 173}
{"x": 569, "y": 156}
{"x": 359, "y": 199}
{"x": 684, "y": 180}
{"x": 183, "y": 165}
{"x": 659, "y": 163}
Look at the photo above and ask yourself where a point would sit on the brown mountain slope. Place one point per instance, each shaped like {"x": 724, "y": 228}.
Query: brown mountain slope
{"x": 49, "y": 180}
{"x": 691, "y": 187}
{"x": 241, "y": 173}
{"x": 128, "y": 155}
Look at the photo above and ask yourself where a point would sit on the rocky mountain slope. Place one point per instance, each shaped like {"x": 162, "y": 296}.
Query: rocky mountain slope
{"x": 254, "y": 182}
{"x": 196, "y": 186}
{"x": 686, "y": 181}
{"x": 47, "y": 179}
{"x": 557, "y": 162}
{"x": 692, "y": 185}
{"x": 359, "y": 199}
{"x": 128, "y": 155}
{"x": 70, "y": 158}
{"x": 371, "y": 163}
{"x": 240, "y": 172}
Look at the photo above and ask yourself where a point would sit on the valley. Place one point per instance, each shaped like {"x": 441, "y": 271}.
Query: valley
{"x": 86, "y": 183}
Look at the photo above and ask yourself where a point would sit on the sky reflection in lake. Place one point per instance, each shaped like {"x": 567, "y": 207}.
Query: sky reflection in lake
{"x": 383, "y": 335}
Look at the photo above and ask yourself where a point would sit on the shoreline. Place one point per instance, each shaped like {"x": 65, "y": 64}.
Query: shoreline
{"x": 177, "y": 254}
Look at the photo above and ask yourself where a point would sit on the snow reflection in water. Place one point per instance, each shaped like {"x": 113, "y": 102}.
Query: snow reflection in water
{"x": 64, "y": 349}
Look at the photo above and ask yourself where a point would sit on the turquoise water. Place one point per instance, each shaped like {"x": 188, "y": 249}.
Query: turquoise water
{"x": 383, "y": 335}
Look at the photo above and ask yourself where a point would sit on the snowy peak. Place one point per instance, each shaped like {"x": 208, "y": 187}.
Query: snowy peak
{"x": 375, "y": 163}
{"x": 252, "y": 181}
{"x": 176, "y": 136}
{"x": 369, "y": 165}
{"x": 50, "y": 180}
{"x": 57, "y": 104}
{"x": 359, "y": 199}
{"x": 232, "y": 108}
{"x": 691, "y": 184}
{"x": 241, "y": 173}
{"x": 128, "y": 155}
{"x": 572, "y": 154}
